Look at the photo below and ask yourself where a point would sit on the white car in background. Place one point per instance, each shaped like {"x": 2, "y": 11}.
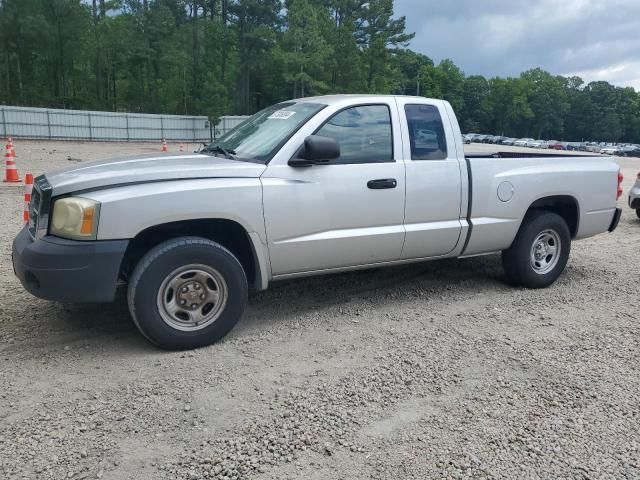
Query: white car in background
{"x": 634, "y": 196}
{"x": 610, "y": 150}
{"x": 534, "y": 144}
{"x": 593, "y": 147}
{"x": 522, "y": 142}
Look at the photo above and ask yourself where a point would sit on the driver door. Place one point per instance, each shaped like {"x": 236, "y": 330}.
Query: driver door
{"x": 349, "y": 212}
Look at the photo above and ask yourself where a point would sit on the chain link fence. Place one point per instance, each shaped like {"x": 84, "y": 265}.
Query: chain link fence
{"x": 55, "y": 124}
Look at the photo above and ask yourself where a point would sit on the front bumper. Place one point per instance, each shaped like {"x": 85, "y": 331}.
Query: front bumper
{"x": 68, "y": 270}
{"x": 634, "y": 197}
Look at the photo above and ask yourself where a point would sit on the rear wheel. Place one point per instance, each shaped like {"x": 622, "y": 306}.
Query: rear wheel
{"x": 540, "y": 251}
{"x": 638, "y": 212}
{"x": 186, "y": 293}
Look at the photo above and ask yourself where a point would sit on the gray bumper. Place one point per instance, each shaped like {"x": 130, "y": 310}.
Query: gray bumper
{"x": 67, "y": 270}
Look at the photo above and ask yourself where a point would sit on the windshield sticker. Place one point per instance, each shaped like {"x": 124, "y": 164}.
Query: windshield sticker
{"x": 281, "y": 115}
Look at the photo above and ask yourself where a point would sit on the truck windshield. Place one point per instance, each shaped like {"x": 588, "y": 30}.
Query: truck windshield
{"x": 259, "y": 137}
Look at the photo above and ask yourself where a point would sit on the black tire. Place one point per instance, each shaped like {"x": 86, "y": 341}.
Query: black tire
{"x": 638, "y": 212}
{"x": 518, "y": 260}
{"x": 158, "y": 265}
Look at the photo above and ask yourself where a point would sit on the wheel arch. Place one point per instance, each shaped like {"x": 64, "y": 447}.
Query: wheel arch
{"x": 246, "y": 247}
{"x": 566, "y": 206}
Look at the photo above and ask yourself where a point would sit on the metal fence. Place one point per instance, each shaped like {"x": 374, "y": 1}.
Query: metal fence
{"x": 46, "y": 123}
{"x": 227, "y": 123}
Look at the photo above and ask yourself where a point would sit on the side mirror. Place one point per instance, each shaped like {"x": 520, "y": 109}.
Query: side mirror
{"x": 317, "y": 151}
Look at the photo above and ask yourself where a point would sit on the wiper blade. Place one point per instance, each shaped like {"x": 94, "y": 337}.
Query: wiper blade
{"x": 220, "y": 149}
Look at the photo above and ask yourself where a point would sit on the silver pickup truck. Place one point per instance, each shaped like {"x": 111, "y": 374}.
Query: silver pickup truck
{"x": 305, "y": 187}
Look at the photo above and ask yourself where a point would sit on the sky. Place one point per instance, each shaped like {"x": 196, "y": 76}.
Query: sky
{"x": 594, "y": 39}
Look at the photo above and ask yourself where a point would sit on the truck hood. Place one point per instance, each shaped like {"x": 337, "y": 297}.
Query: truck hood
{"x": 148, "y": 168}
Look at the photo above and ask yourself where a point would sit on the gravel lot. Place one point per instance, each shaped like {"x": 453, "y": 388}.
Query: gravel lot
{"x": 436, "y": 370}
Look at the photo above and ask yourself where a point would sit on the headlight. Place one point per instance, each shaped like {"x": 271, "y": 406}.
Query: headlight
{"x": 75, "y": 218}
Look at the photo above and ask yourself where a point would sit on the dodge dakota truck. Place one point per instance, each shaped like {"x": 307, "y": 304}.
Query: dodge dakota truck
{"x": 305, "y": 187}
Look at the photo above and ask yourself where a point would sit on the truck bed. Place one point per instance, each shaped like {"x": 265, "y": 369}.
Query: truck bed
{"x": 525, "y": 155}
{"x": 504, "y": 185}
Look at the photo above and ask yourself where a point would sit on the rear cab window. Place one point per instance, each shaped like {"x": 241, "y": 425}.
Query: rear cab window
{"x": 426, "y": 132}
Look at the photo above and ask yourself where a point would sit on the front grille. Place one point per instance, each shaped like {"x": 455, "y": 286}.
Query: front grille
{"x": 39, "y": 207}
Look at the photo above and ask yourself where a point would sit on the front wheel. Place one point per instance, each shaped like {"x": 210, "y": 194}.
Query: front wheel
{"x": 540, "y": 251}
{"x": 638, "y": 212}
{"x": 186, "y": 293}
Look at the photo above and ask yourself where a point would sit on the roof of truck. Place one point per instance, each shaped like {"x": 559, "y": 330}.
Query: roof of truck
{"x": 332, "y": 99}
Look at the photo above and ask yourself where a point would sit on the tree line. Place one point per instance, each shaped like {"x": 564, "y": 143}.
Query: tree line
{"x": 217, "y": 57}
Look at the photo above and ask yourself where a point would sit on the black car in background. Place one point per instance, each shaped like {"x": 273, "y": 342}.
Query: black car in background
{"x": 630, "y": 151}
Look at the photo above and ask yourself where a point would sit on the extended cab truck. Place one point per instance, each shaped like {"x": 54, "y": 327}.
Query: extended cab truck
{"x": 305, "y": 187}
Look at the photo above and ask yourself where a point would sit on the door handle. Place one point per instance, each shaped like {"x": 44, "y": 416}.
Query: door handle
{"x": 381, "y": 183}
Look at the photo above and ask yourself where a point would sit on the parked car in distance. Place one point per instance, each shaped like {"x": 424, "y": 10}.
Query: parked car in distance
{"x": 466, "y": 140}
{"x": 304, "y": 187}
{"x": 507, "y": 141}
{"x": 634, "y": 196}
{"x": 630, "y": 151}
{"x": 610, "y": 150}
{"x": 554, "y": 145}
{"x": 534, "y": 144}
{"x": 522, "y": 142}
{"x": 593, "y": 147}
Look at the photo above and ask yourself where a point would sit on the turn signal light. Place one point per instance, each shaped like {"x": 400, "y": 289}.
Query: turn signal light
{"x": 87, "y": 221}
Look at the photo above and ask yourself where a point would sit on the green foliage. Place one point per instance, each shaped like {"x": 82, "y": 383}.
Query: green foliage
{"x": 547, "y": 98}
{"x": 409, "y": 65}
{"x": 379, "y": 35}
{"x": 509, "y": 98}
{"x": 306, "y": 47}
{"x": 216, "y": 57}
{"x": 476, "y": 111}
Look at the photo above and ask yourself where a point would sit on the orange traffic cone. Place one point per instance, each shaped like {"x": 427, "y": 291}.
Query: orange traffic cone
{"x": 28, "y": 188}
{"x": 182, "y": 147}
{"x": 164, "y": 146}
{"x": 10, "y": 170}
{"x": 13, "y": 150}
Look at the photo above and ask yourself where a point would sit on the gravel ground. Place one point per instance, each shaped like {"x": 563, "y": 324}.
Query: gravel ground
{"x": 436, "y": 370}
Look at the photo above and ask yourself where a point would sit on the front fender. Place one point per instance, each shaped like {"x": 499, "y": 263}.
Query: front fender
{"x": 127, "y": 210}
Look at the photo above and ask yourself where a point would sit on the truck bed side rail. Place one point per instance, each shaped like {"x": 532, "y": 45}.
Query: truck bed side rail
{"x": 522, "y": 155}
